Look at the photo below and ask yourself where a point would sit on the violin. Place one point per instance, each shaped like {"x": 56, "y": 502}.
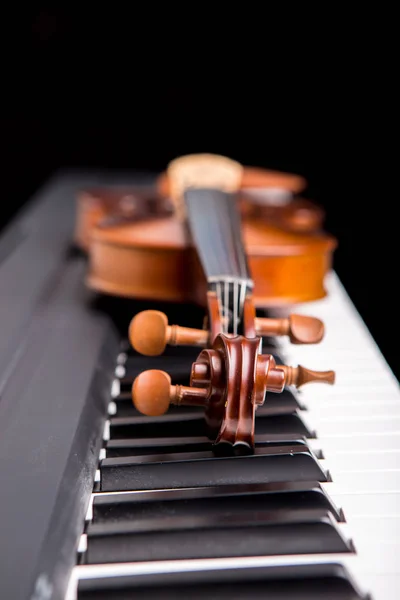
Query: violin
{"x": 231, "y": 375}
{"x": 155, "y": 257}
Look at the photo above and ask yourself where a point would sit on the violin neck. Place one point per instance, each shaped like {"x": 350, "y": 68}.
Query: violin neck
{"x": 214, "y": 222}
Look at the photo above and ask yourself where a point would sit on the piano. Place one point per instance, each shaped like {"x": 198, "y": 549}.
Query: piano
{"x": 97, "y": 501}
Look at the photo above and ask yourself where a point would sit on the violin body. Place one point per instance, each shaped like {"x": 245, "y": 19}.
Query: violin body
{"x": 155, "y": 259}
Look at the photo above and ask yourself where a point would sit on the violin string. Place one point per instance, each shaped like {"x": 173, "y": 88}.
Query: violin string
{"x": 235, "y": 307}
{"x": 226, "y": 304}
{"x": 242, "y": 267}
{"x": 218, "y": 286}
{"x": 242, "y": 296}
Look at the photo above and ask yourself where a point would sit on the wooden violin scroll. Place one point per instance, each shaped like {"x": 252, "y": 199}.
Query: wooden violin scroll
{"x": 229, "y": 380}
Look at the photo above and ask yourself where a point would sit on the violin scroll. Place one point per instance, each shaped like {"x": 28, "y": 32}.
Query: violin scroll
{"x": 152, "y": 392}
{"x": 229, "y": 380}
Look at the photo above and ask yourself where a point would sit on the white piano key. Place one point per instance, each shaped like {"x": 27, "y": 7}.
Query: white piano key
{"x": 106, "y": 432}
{"x": 369, "y": 506}
{"x": 366, "y": 531}
{"x": 120, "y": 371}
{"x": 353, "y": 425}
{"x": 352, "y": 409}
{"x": 353, "y": 461}
{"x": 355, "y": 443}
{"x": 320, "y": 402}
{"x": 361, "y": 389}
{"x": 115, "y": 388}
{"x": 122, "y": 358}
{"x": 384, "y": 587}
{"x": 82, "y": 545}
{"x": 112, "y": 409}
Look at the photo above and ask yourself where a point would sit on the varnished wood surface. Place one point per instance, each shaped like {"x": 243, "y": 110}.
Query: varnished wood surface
{"x": 282, "y": 241}
{"x": 156, "y": 260}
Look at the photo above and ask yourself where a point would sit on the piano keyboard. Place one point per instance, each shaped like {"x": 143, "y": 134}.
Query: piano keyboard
{"x": 314, "y": 514}
{"x": 100, "y": 502}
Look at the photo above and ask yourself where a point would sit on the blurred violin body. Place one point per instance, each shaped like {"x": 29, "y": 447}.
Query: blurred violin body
{"x": 147, "y": 251}
{"x": 95, "y": 205}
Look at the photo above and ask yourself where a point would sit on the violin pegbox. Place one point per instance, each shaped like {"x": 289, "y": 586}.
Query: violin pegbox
{"x": 229, "y": 380}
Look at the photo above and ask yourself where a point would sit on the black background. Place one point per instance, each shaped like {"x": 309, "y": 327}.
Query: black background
{"x": 310, "y": 94}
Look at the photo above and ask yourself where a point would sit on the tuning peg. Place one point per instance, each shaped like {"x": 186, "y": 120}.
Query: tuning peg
{"x": 301, "y": 329}
{"x": 152, "y": 393}
{"x": 299, "y": 376}
{"x": 149, "y": 333}
{"x": 277, "y": 377}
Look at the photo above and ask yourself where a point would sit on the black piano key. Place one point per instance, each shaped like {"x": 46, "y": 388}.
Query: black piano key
{"x": 168, "y": 425}
{"x": 137, "y": 447}
{"x": 283, "y": 424}
{"x": 284, "y": 463}
{"x": 178, "y": 367}
{"x": 178, "y": 357}
{"x": 170, "y": 352}
{"x": 125, "y": 407}
{"x": 257, "y": 533}
{"x": 278, "y": 404}
{"x": 272, "y": 350}
{"x": 193, "y": 425}
{"x": 283, "y": 582}
{"x": 213, "y": 500}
